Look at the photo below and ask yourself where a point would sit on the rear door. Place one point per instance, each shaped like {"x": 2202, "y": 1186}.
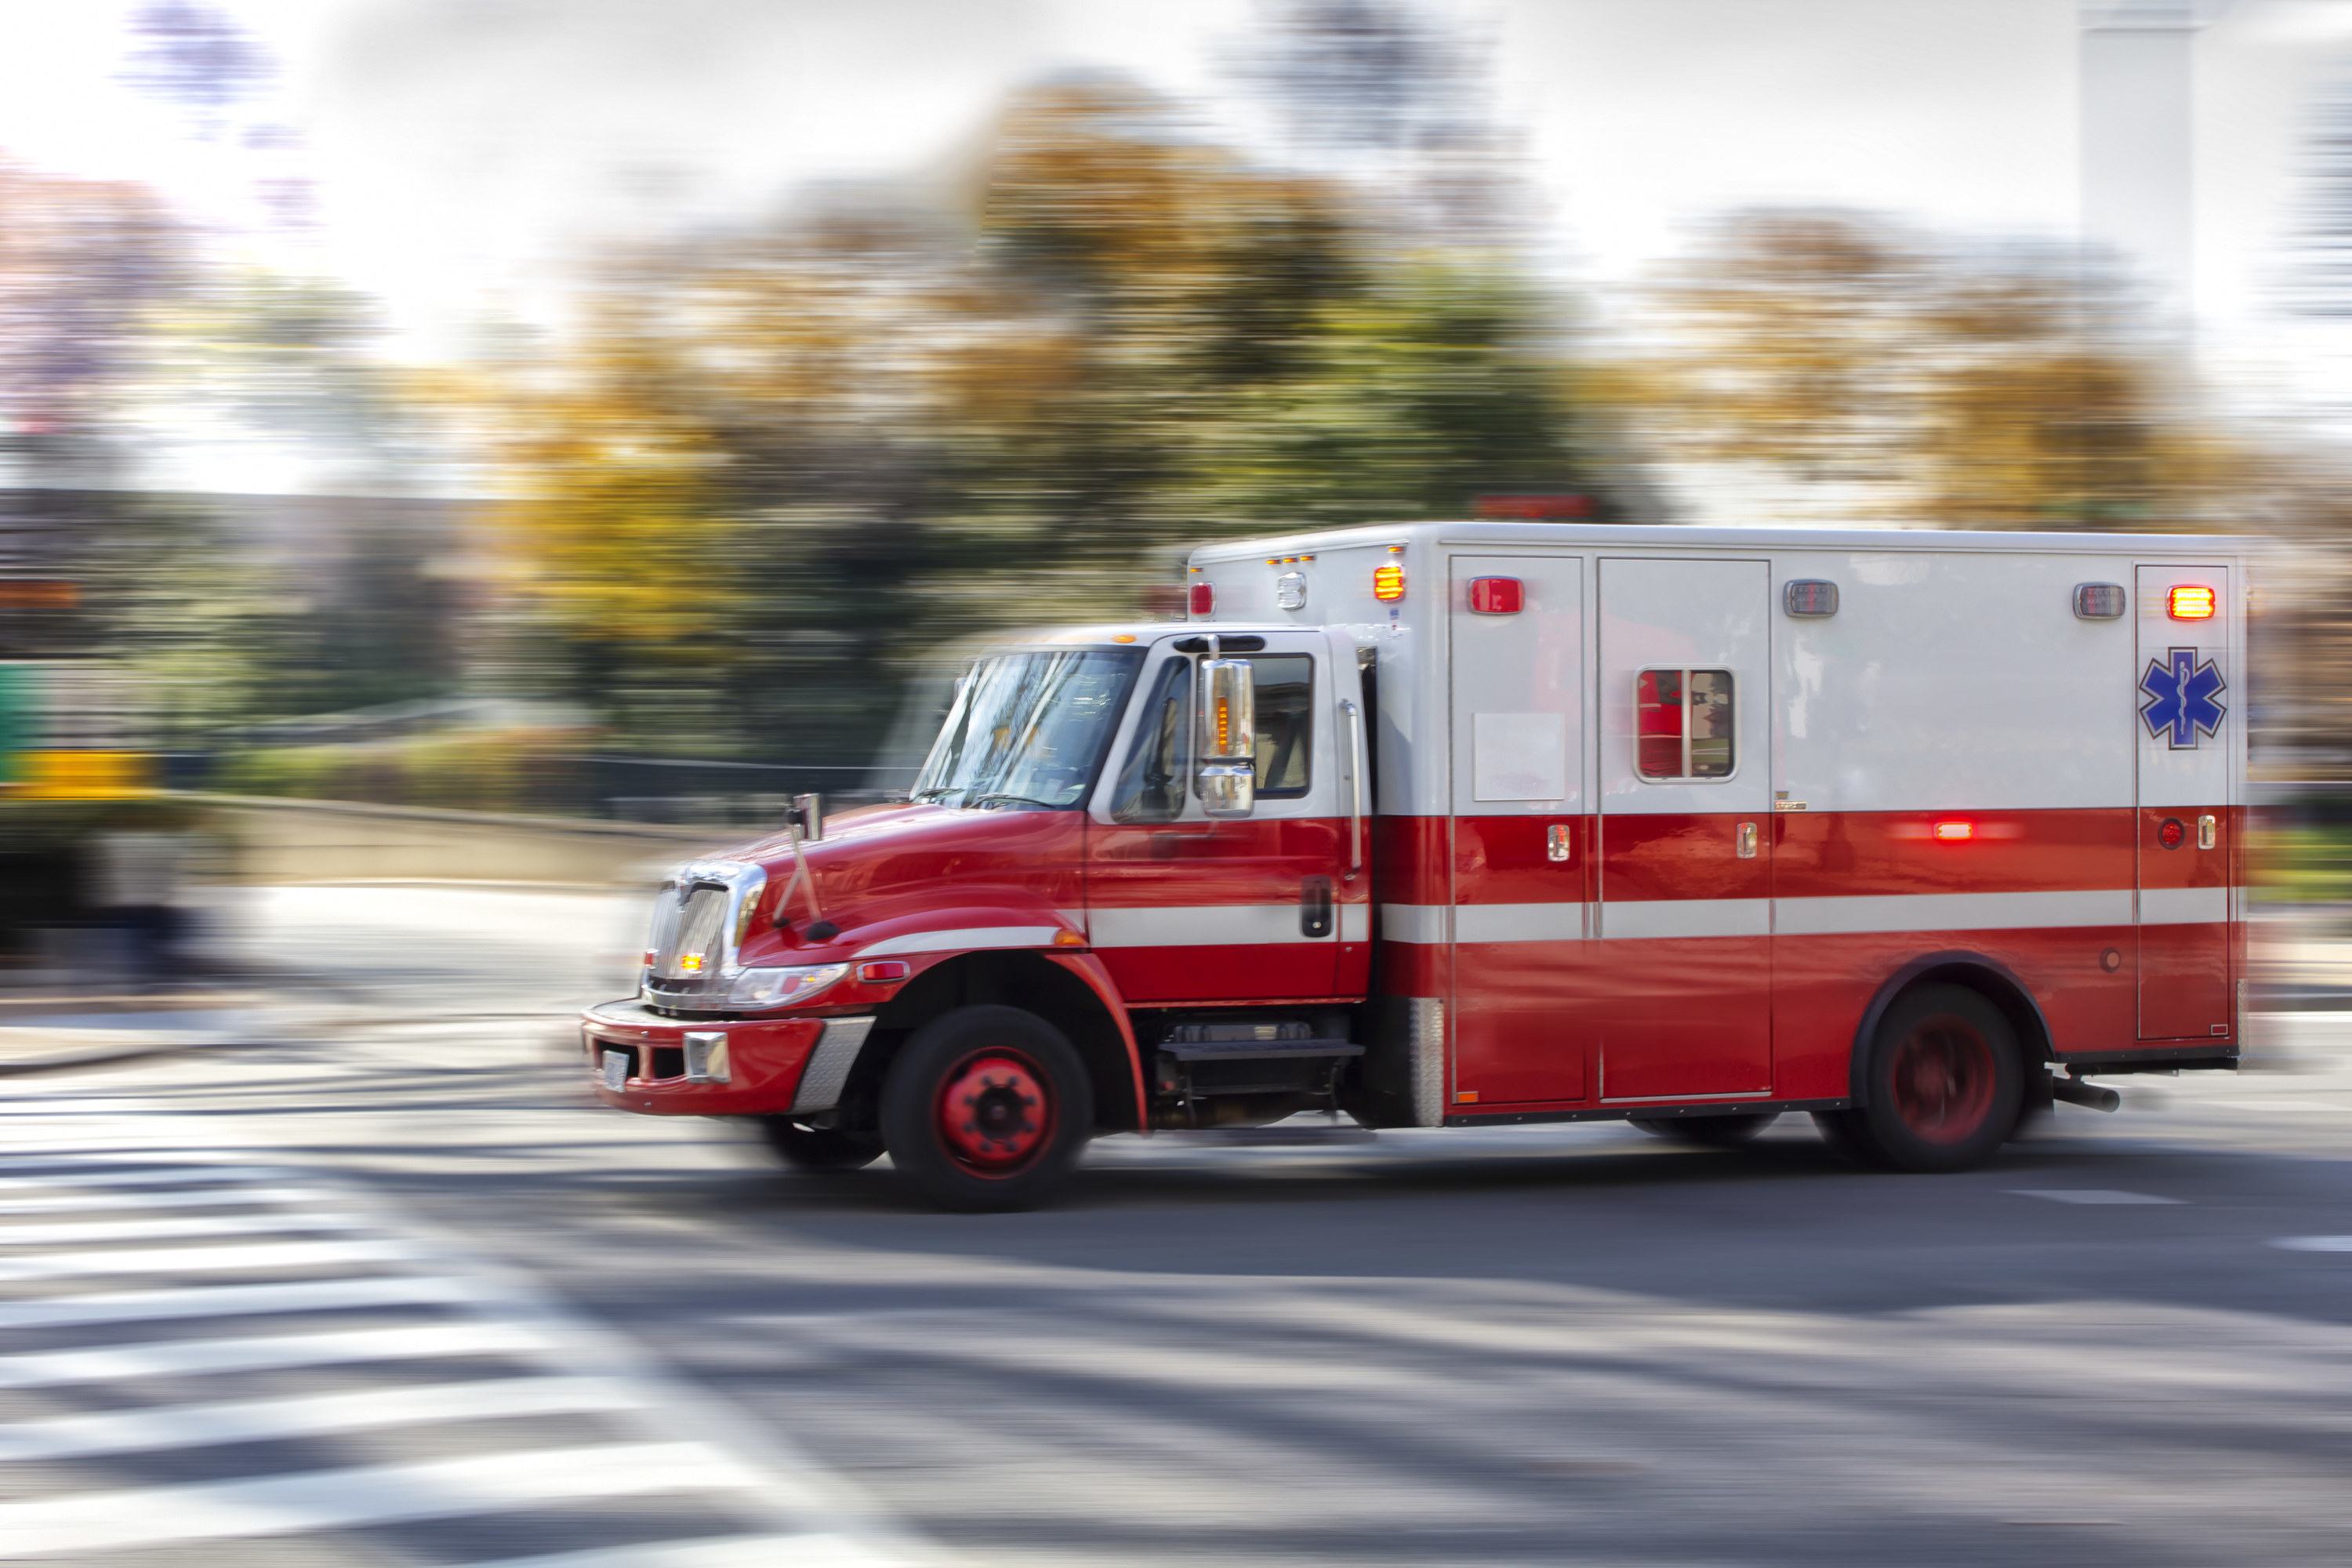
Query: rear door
{"x": 1183, "y": 910}
{"x": 1520, "y": 853}
{"x": 2187, "y": 827}
{"x": 1681, "y": 987}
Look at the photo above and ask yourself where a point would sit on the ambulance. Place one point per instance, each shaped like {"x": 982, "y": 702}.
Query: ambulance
{"x": 1470, "y": 823}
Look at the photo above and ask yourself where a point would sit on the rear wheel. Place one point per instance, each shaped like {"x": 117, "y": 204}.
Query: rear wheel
{"x": 817, "y": 1148}
{"x": 986, "y": 1108}
{"x": 1942, "y": 1086}
{"x": 1708, "y": 1132}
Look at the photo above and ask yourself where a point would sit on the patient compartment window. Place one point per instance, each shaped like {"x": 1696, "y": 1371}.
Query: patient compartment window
{"x": 1683, "y": 724}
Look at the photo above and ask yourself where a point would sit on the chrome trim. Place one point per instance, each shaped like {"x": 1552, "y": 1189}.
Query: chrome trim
{"x": 742, "y": 882}
{"x": 1355, "y": 718}
{"x": 705, "y": 1057}
{"x": 1426, "y": 1036}
{"x": 827, "y": 1072}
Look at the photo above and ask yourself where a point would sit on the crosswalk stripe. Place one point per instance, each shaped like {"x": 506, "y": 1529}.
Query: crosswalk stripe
{"x": 256, "y": 1420}
{"x": 181, "y": 1358}
{"x": 380, "y": 1494}
{"x": 237, "y": 1300}
{"x": 100, "y": 1201}
{"x": 77, "y": 1176}
{"x": 168, "y": 1229}
{"x": 814, "y": 1549}
{"x": 204, "y": 1260}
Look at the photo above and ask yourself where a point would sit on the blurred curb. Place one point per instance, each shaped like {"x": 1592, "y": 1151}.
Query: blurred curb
{"x": 41, "y": 1035}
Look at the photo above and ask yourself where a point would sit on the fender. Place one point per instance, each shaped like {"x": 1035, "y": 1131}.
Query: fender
{"x": 1894, "y": 986}
{"x": 1096, "y": 975}
{"x": 972, "y": 928}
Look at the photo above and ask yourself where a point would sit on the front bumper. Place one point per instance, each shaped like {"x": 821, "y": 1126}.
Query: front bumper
{"x": 639, "y": 1061}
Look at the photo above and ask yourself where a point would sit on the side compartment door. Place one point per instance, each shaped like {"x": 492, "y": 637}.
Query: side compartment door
{"x": 1520, "y": 846}
{"x": 2187, "y": 826}
{"x": 1184, "y": 909}
{"x": 1681, "y": 984}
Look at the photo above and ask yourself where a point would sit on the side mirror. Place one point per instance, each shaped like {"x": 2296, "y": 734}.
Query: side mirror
{"x": 1227, "y": 746}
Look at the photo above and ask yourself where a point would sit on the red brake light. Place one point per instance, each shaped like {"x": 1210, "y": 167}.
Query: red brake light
{"x": 1387, "y": 583}
{"x": 1955, "y": 832}
{"x": 1202, "y": 599}
{"x": 1496, "y": 596}
{"x": 2190, "y": 604}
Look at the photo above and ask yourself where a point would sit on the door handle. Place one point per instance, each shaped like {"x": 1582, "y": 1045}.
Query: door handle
{"x": 1743, "y": 842}
{"x": 1559, "y": 846}
{"x": 2209, "y": 831}
{"x": 1314, "y": 906}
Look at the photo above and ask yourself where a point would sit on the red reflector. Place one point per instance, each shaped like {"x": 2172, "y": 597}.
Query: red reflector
{"x": 890, "y": 969}
{"x": 2190, "y": 604}
{"x": 1496, "y": 596}
{"x": 1953, "y": 832}
{"x": 1202, "y": 599}
{"x": 1387, "y": 583}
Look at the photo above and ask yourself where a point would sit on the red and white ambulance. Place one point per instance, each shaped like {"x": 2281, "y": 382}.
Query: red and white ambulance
{"x": 1459, "y": 824}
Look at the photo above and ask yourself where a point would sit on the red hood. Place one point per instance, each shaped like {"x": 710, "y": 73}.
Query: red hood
{"x": 913, "y": 867}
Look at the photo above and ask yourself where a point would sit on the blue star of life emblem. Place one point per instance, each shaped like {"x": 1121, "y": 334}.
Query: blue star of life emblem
{"x": 2183, "y": 697}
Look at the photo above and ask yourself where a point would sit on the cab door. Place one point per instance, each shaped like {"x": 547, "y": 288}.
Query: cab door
{"x": 2187, "y": 829}
{"x": 1683, "y": 978}
{"x": 1186, "y": 911}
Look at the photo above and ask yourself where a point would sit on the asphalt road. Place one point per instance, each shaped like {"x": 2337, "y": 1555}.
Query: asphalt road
{"x": 510, "y": 1327}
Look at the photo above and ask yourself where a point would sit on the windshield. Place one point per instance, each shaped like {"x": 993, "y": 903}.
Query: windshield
{"x": 1028, "y": 729}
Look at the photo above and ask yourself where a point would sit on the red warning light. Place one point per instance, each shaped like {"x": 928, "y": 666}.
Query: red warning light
{"x": 2172, "y": 833}
{"x": 1498, "y": 595}
{"x": 2190, "y": 604}
{"x": 1955, "y": 832}
{"x": 1202, "y": 599}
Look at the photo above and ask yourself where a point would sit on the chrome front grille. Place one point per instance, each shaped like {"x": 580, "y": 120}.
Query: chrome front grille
{"x": 699, "y": 921}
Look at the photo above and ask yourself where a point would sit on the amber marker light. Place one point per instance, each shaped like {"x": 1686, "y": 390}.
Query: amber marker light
{"x": 2190, "y": 604}
{"x": 1955, "y": 832}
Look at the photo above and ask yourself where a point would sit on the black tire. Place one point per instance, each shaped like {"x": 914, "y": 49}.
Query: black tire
{"x": 986, "y": 1109}
{"x": 1942, "y": 1086}
{"x": 1708, "y": 1132}
{"x": 817, "y": 1148}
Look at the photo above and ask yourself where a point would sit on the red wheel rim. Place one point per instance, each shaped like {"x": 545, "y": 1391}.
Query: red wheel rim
{"x": 1943, "y": 1079}
{"x": 996, "y": 1112}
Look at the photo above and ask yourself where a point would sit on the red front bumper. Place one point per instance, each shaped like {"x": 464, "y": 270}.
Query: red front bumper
{"x": 760, "y": 1060}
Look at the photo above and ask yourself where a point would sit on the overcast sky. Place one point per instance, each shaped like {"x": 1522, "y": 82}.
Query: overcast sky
{"x": 461, "y": 149}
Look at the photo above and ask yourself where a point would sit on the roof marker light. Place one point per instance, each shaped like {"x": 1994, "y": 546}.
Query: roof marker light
{"x": 2189, "y": 602}
{"x": 1955, "y": 832}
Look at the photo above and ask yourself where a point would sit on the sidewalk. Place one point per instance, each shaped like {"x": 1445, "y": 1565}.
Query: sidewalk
{"x": 46, "y": 1032}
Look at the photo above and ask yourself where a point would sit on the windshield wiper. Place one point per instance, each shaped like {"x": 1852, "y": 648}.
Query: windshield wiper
{"x": 931, "y": 793}
{"x": 988, "y": 800}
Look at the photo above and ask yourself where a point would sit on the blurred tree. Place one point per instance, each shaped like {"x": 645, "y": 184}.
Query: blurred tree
{"x": 774, "y": 467}
{"x": 1967, "y": 389}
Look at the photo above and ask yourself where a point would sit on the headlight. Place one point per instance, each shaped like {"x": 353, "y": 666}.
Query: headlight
{"x": 783, "y": 987}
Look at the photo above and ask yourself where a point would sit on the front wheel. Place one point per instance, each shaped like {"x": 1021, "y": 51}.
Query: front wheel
{"x": 1942, "y": 1087}
{"x": 986, "y": 1108}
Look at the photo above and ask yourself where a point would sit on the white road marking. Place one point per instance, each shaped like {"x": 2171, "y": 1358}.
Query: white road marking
{"x": 76, "y": 1176}
{"x": 173, "y": 1358}
{"x": 811, "y": 1551}
{"x": 204, "y": 1260}
{"x": 2088, "y": 1195}
{"x": 236, "y": 1300}
{"x": 248, "y": 1421}
{"x": 2314, "y": 1243}
{"x": 169, "y": 1229}
{"x": 378, "y": 1494}
{"x": 100, "y": 1201}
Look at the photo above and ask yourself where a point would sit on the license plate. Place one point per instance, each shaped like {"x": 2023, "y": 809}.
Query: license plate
{"x": 617, "y": 1070}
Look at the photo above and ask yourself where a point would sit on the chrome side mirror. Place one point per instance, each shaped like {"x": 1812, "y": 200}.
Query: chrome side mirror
{"x": 1227, "y": 745}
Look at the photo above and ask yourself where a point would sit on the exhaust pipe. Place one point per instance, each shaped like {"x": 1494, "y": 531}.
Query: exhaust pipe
{"x": 2074, "y": 1091}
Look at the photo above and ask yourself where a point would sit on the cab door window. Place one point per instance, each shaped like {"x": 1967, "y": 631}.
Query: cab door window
{"x": 1153, "y": 783}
